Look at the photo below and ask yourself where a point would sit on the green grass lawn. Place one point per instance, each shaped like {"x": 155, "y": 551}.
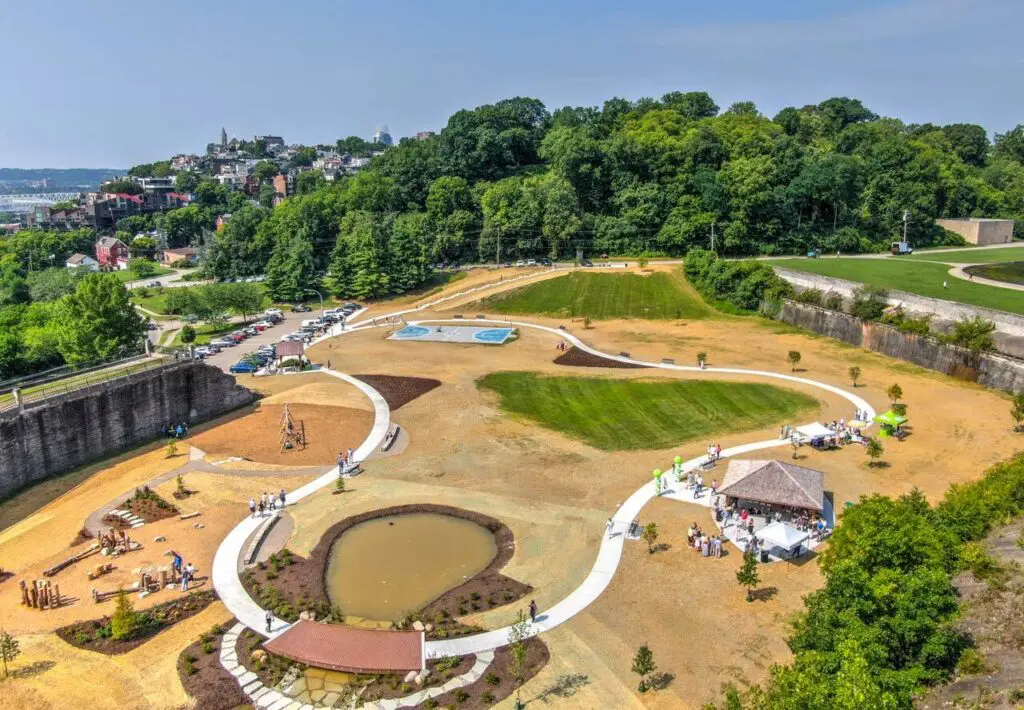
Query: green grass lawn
{"x": 156, "y": 302}
{"x": 207, "y": 332}
{"x": 918, "y": 277}
{"x": 980, "y": 255}
{"x": 128, "y": 275}
{"x": 624, "y": 415}
{"x": 602, "y": 296}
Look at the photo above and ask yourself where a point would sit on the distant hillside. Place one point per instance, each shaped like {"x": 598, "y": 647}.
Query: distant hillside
{"x": 19, "y": 179}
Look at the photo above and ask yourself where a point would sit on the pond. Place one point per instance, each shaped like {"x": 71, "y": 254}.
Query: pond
{"x": 382, "y": 568}
{"x": 1007, "y": 271}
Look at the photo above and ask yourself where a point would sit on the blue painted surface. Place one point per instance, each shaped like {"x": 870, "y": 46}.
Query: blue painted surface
{"x": 412, "y": 331}
{"x": 493, "y": 335}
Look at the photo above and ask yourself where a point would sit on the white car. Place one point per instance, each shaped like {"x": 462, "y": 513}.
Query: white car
{"x": 520, "y": 263}
{"x": 224, "y": 343}
{"x": 531, "y": 262}
{"x": 274, "y": 312}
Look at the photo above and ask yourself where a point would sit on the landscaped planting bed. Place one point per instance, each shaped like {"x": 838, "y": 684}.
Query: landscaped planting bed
{"x": 144, "y": 504}
{"x": 97, "y": 635}
{"x": 203, "y": 676}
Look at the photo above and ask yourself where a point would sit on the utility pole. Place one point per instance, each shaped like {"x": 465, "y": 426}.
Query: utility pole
{"x": 906, "y": 217}
{"x": 712, "y": 235}
{"x": 497, "y": 253}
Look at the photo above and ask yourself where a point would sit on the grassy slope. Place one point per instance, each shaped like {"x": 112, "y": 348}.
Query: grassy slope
{"x": 924, "y": 279}
{"x": 618, "y": 415}
{"x": 602, "y": 296}
{"x": 970, "y": 256}
{"x": 208, "y": 332}
{"x": 127, "y": 275}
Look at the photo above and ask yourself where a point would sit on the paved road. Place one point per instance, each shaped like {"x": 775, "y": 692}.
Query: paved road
{"x": 229, "y": 356}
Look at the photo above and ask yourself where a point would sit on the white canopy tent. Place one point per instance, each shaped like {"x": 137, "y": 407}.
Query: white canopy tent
{"x": 809, "y": 431}
{"x": 782, "y": 535}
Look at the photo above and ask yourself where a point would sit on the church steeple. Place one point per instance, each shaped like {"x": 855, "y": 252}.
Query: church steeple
{"x": 223, "y": 138}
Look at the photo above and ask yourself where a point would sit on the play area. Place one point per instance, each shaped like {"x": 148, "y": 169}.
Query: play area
{"x": 454, "y": 334}
{"x": 557, "y": 459}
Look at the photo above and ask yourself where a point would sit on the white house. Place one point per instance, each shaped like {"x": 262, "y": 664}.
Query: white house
{"x": 81, "y": 261}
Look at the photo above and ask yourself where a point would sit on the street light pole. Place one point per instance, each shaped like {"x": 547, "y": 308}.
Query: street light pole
{"x": 712, "y": 236}
{"x": 310, "y": 290}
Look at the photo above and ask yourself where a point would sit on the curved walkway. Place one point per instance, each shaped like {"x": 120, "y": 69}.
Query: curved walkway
{"x": 225, "y": 562}
{"x": 228, "y": 585}
{"x": 958, "y": 271}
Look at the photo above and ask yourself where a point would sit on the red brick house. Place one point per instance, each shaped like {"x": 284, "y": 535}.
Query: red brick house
{"x": 111, "y": 253}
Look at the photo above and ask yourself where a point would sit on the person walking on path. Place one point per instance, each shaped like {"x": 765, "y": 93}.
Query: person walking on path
{"x": 328, "y": 363}
{"x": 270, "y": 620}
{"x": 261, "y": 507}
{"x": 252, "y": 507}
{"x": 282, "y": 495}
{"x": 533, "y": 611}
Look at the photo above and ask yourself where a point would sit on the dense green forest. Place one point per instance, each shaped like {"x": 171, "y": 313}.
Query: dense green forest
{"x": 628, "y": 178}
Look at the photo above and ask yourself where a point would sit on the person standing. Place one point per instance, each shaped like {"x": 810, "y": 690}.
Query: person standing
{"x": 270, "y": 620}
{"x": 252, "y": 507}
{"x": 533, "y": 611}
{"x": 282, "y": 494}
{"x": 261, "y": 507}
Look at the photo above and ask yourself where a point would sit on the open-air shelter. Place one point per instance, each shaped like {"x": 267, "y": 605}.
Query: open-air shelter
{"x": 766, "y": 486}
{"x": 889, "y": 422}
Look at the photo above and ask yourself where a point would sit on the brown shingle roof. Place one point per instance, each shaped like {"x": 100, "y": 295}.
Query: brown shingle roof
{"x": 774, "y": 482}
{"x": 348, "y": 649}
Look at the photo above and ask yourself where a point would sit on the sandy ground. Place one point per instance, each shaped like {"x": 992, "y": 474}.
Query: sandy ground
{"x": 257, "y": 437}
{"x": 553, "y": 492}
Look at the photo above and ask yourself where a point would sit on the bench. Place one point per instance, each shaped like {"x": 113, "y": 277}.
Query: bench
{"x": 389, "y": 438}
{"x": 458, "y": 316}
{"x": 481, "y": 316}
{"x": 667, "y": 361}
{"x": 257, "y": 540}
{"x": 623, "y": 354}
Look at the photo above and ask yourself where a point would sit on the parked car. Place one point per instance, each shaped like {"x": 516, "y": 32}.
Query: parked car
{"x": 507, "y": 265}
{"x": 531, "y": 262}
{"x": 586, "y": 263}
{"x": 520, "y": 263}
{"x": 301, "y": 308}
{"x": 223, "y": 343}
{"x": 812, "y": 253}
{"x": 152, "y": 326}
{"x": 273, "y": 312}
{"x": 191, "y": 318}
{"x": 544, "y": 261}
{"x": 243, "y": 367}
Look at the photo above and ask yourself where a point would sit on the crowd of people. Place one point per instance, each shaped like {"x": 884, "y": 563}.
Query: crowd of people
{"x": 707, "y": 546}
{"x": 266, "y": 503}
{"x": 175, "y": 432}
{"x": 187, "y": 572}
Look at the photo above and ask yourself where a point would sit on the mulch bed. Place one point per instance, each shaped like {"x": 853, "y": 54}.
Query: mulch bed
{"x": 94, "y": 635}
{"x": 295, "y": 584}
{"x": 399, "y": 391}
{"x": 392, "y": 685}
{"x": 145, "y": 504}
{"x": 574, "y": 357}
{"x": 497, "y": 683}
{"x": 271, "y": 670}
{"x": 203, "y": 676}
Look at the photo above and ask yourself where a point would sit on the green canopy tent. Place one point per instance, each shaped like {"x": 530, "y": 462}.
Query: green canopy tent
{"x": 889, "y": 421}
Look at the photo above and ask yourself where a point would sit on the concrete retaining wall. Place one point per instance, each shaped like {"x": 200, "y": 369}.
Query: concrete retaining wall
{"x": 1010, "y": 323}
{"x": 988, "y": 369}
{"x": 68, "y": 431}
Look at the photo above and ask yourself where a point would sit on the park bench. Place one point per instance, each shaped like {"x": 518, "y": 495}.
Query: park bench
{"x": 389, "y": 438}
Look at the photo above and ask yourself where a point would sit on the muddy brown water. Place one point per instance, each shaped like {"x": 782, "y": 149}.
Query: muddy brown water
{"x": 383, "y": 568}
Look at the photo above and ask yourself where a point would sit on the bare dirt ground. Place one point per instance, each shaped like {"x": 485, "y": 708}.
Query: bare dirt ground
{"x": 257, "y": 437}
{"x": 554, "y": 493}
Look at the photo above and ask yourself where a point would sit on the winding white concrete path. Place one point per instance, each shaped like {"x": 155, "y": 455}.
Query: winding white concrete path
{"x": 225, "y": 562}
{"x": 225, "y": 566}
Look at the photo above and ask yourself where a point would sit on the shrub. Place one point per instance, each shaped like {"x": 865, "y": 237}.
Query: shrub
{"x": 492, "y": 679}
{"x": 834, "y": 301}
{"x": 972, "y": 662}
{"x": 868, "y": 302}
{"x": 125, "y": 621}
{"x": 975, "y": 334}
{"x": 744, "y": 284}
{"x": 461, "y": 695}
{"x": 207, "y": 647}
{"x": 487, "y": 697}
{"x": 812, "y": 296}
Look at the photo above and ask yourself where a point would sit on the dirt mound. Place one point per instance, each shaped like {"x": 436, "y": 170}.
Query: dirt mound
{"x": 257, "y": 436}
{"x": 399, "y": 391}
{"x": 574, "y": 357}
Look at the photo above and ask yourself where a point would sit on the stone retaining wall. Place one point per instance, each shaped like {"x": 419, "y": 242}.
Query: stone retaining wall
{"x": 1010, "y": 323}
{"x": 67, "y": 431}
{"x": 988, "y": 369}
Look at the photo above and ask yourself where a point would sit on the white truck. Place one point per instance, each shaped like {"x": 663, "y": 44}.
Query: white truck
{"x": 312, "y": 324}
{"x": 899, "y": 248}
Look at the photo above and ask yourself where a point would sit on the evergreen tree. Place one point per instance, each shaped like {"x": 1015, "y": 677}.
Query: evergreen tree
{"x": 747, "y": 575}
{"x": 125, "y": 621}
{"x": 643, "y": 666}
{"x": 9, "y": 649}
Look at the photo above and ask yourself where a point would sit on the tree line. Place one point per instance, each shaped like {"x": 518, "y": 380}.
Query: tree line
{"x": 512, "y": 180}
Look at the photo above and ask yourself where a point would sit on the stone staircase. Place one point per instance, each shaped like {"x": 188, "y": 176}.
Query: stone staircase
{"x": 127, "y": 516}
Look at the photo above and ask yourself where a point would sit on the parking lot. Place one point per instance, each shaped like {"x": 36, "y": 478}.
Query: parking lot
{"x": 291, "y": 323}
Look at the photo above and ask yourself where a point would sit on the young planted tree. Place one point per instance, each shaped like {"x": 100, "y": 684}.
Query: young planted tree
{"x": 125, "y": 622}
{"x": 180, "y": 483}
{"x": 9, "y": 649}
{"x": 854, "y": 373}
{"x": 747, "y": 575}
{"x": 586, "y": 323}
{"x": 650, "y": 536}
{"x": 643, "y": 666}
{"x": 702, "y": 357}
{"x": 172, "y": 448}
{"x": 1017, "y": 412}
{"x": 793, "y": 358}
{"x": 188, "y": 334}
{"x": 517, "y": 635}
{"x": 874, "y": 450}
{"x": 894, "y": 393}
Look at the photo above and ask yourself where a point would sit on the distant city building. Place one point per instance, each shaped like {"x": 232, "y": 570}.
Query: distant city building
{"x": 382, "y": 136}
{"x": 185, "y": 162}
{"x": 269, "y": 141}
{"x": 980, "y": 231}
{"x": 223, "y": 139}
{"x": 171, "y": 256}
{"x": 82, "y": 261}
{"x": 222, "y": 220}
{"x": 112, "y": 253}
{"x": 424, "y": 135}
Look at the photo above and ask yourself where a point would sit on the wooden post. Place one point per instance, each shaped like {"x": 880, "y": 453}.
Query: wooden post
{"x": 24, "y": 594}
{"x": 35, "y": 595}
{"x": 56, "y": 596}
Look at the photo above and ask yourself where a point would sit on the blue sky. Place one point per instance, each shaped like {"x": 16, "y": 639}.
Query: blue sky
{"x": 110, "y": 83}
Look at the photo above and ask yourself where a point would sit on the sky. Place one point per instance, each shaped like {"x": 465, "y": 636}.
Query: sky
{"x": 108, "y": 83}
